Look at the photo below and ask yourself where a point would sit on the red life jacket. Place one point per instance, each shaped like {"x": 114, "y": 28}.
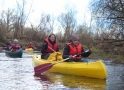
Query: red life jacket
{"x": 15, "y": 47}
{"x": 8, "y": 45}
{"x": 48, "y": 50}
{"x": 75, "y": 50}
{"x": 30, "y": 46}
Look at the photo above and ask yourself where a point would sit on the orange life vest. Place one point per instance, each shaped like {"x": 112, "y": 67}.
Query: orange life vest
{"x": 15, "y": 46}
{"x": 29, "y": 46}
{"x": 48, "y": 50}
{"x": 75, "y": 50}
{"x": 54, "y": 47}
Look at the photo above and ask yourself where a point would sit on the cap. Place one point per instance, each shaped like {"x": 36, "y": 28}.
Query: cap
{"x": 15, "y": 40}
{"x": 74, "y": 38}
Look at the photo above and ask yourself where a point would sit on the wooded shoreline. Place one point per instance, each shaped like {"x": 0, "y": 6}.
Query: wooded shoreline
{"x": 96, "y": 52}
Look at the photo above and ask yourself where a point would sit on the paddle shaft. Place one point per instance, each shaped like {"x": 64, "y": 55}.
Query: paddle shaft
{"x": 44, "y": 67}
{"x": 65, "y": 59}
{"x": 51, "y": 49}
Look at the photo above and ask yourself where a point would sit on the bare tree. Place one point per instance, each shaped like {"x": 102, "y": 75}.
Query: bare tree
{"x": 46, "y": 24}
{"x": 110, "y": 14}
{"x": 21, "y": 11}
{"x": 68, "y": 22}
{"x": 8, "y": 19}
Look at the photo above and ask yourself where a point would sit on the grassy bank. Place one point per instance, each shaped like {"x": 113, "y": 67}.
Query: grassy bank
{"x": 100, "y": 54}
{"x": 96, "y": 53}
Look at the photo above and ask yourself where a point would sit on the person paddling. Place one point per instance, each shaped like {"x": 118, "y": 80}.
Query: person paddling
{"x": 8, "y": 46}
{"x": 49, "y": 46}
{"x": 15, "y": 45}
{"x": 29, "y": 45}
{"x": 73, "y": 48}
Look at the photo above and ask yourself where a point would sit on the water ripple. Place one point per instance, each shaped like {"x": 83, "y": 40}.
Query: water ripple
{"x": 18, "y": 74}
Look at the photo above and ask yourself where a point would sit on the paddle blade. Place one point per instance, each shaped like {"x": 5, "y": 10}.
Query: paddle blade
{"x": 42, "y": 68}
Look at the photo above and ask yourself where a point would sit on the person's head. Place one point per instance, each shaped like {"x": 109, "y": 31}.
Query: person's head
{"x": 52, "y": 37}
{"x": 75, "y": 40}
{"x": 9, "y": 42}
{"x": 30, "y": 42}
{"x": 15, "y": 41}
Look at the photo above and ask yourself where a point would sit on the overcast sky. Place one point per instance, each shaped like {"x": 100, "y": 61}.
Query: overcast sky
{"x": 54, "y": 7}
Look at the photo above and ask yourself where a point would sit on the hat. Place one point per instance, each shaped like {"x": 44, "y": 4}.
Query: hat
{"x": 74, "y": 38}
{"x": 15, "y": 40}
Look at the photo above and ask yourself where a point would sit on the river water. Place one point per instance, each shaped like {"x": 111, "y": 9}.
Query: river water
{"x": 18, "y": 74}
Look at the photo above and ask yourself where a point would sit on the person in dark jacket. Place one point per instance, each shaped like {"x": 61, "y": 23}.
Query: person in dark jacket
{"x": 8, "y": 46}
{"x": 15, "y": 45}
{"x": 49, "y": 46}
{"x": 73, "y": 48}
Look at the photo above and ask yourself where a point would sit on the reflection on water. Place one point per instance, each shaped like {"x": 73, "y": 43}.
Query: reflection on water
{"x": 115, "y": 80}
{"x": 69, "y": 81}
{"x": 18, "y": 74}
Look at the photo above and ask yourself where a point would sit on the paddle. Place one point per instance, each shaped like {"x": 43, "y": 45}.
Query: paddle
{"x": 51, "y": 49}
{"x": 44, "y": 67}
{"x": 11, "y": 50}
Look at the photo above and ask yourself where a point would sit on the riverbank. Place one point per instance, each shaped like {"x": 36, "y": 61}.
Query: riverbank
{"x": 107, "y": 57}
{"x": 96, "y": 53}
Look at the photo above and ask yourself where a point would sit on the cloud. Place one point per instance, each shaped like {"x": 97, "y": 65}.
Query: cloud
{"x": 53, "y": 7}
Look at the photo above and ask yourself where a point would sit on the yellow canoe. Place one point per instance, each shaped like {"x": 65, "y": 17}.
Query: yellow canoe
{"x": 91, "y": 69}
{"x": 29, "y": 49}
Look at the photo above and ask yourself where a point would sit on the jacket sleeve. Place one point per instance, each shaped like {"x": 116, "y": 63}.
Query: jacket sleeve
{"x": 85, "y": 54}
{"x": 57, "y": 49}
{"x": 66, "y": 52}
{"x": 19, "y": 47}
{"x": 44, "y": 47}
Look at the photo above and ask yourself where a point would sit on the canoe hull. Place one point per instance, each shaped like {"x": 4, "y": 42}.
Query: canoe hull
{"x": 29, "y": 49}
{"x": 17, "y": 53}
{"x": 1, "y": 48}
{"x": 91, "y": 69}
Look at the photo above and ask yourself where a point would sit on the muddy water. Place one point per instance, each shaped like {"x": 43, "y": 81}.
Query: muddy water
{"x": 18, "y": 74}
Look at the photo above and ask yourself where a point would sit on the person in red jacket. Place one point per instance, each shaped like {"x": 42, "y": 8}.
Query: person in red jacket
{"x": 49, "y": 46}
{"x": 9, "y": 46}
{"x": 30, "y": 45}
{"x": 73, "y": 48}
{"x": 15, "y": 45}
